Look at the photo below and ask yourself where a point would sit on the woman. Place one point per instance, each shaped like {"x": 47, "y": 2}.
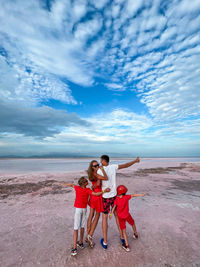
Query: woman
{"x": 95, "y": 203}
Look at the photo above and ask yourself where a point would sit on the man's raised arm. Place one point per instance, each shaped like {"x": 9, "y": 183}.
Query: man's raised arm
{"x": 128, "y": 164}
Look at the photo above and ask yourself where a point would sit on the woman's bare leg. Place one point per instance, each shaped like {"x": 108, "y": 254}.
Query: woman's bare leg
{"x": 89, "y": 221}
{"x": 94, "y": 224}
{"x": 105, "y": 227}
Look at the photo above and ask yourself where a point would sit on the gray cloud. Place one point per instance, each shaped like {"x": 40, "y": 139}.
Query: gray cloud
{"x": 37, "y": 122}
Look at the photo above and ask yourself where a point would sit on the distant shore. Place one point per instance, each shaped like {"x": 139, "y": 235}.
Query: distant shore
{"x": 67, "y": 165}
{"x": 89, "y": 157}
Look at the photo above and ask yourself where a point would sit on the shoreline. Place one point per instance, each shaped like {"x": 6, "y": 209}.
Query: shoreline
{"x": 71, "y": 165}
{"x": 79, "y": 157}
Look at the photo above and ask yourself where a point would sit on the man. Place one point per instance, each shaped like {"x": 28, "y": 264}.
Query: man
{"x": 108, "y": 198}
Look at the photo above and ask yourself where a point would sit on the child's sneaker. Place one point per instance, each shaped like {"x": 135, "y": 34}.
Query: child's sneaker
{"x": 126, "y": 247}
{"x": 135, "y": 236}
{"x": 122, "y": 240}
{"x": 105, "y": 246}
{"x": 80, "y": 245}
{"x": 89, "y": 241}
{"x": 74, "y": 251}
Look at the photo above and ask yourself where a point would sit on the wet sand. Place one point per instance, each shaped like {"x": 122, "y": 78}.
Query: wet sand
{"x": 36, "y": 222}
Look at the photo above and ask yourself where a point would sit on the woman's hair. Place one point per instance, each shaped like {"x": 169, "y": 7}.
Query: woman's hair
{"x": 90, "y": 171}
{"x": 82, "y": 181}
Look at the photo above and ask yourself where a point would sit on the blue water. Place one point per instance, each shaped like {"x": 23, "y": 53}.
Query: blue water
{"x": 68, "y": 164}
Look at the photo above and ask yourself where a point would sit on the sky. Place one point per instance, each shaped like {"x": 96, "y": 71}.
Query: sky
{"x": 87, "y": 77}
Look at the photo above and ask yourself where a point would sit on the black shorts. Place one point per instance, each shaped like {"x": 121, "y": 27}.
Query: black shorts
{"x": 107, "y": 203}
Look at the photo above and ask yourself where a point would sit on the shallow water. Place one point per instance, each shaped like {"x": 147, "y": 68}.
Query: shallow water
{"x": 69, "y": 164}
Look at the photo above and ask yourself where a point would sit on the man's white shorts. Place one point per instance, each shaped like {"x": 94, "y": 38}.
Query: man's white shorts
{"x": 79, "y": 218}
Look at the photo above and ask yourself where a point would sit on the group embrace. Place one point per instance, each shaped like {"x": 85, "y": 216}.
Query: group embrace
{"x": 104, "y": 197}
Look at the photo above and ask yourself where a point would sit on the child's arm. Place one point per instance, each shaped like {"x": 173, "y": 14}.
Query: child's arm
{"x": 138, "y": 195}
{"x": 100, "y": 193}
{"x": 66, "y": 184}
{"x": 113, "y": 209}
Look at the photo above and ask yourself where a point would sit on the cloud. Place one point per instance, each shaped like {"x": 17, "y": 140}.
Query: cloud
{"x": 160, "y": 55}
{"x": 36, "y": 122}
{"x": 88, "y": 29}
{"x": 115, "y": 87}
{"x": 119, "y": 126}
{"x": 99, "y": 4}
{"x": 44, "y": 40}
{"x": 120, "y": 131}
{"x": 150, "y": 49}
{"x": 30, "y": 86}
{"x": 127, "y": 132}
{"x": 172, "y": 96}
{"x": 64, "y": 42}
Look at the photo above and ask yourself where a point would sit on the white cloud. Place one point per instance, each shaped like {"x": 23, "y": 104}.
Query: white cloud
{"x": 96, "y": 48}
{"x": 79, "y": 8}
{"x": 119, "y": 131}
{"x": 167, "y": 80}
{"x": 118, "y": 126}
{"x": 150, "y": 47}
{"x": 31, "y": 86}
{"x": 115, "y": 10}
{"x": 99, "y": 4}
{"x": 168, "y": 34}
{"x": 115, "y": 87}
{"x": 185, "y": 7}
{"x": 45, "y": 39}
{"x": 87, "y": 29}
{"x": 132, "y": 7}
{"x": 125, "y": 131}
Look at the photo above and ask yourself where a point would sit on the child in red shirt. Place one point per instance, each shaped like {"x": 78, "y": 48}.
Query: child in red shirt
{"x": 80, "y": 204}
{"x": 121, "y": 203}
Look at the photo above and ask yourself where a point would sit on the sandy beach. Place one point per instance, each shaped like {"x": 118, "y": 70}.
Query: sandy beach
{"x": 36, "y": 222}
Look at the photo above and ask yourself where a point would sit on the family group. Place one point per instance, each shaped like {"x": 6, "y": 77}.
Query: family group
{"x": 104, "y": 197}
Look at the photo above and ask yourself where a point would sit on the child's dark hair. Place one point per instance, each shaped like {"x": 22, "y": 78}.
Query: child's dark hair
{"x": 105, "y": 157}
{"x": 82, "y": 181}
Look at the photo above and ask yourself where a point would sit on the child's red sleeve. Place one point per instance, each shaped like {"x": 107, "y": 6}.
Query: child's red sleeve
{"x": 75, "y": 187}
{"x": 89, "y": 191}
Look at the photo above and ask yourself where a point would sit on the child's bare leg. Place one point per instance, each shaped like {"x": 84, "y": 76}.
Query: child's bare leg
{"x": 89, "y": 221}
{"x": 94, "y": 224}
{"x": 117, "y": 222}
{"x": 81, "y": 235}
{"x": 75, "y": 237}
{"x": 125, "y": 236}
{"x": 134, "y": 229}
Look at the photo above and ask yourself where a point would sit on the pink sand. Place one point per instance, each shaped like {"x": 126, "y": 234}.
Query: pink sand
{"x": 37, "y": 230}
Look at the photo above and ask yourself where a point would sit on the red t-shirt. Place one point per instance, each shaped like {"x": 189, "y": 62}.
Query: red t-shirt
{"x": 82, "y": 195}
{"x": 122, "y": 206}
